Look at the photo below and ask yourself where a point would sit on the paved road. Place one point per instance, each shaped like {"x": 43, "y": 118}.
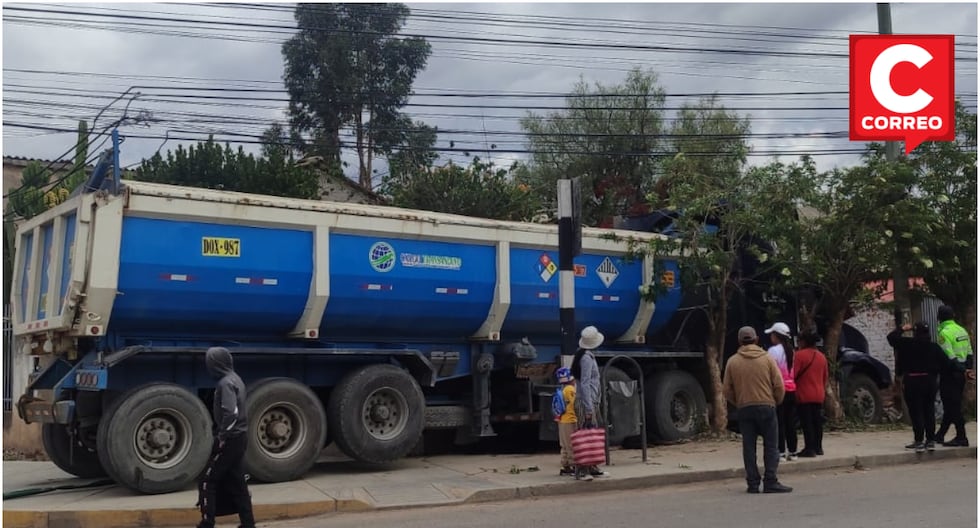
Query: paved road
{"x": 940, "y": 495}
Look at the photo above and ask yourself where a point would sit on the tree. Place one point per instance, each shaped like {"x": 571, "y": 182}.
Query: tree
{"x": 946, "y": 174}
{"x": 412, "y": 150}
{"x": 720, "y": 206}
{"x": 482, "y": 190}
{"x": 836, "y": 245}
{"x": 210, "y": 166}
{"x": 346, "y": 66}
{"x": 609, "y": 136}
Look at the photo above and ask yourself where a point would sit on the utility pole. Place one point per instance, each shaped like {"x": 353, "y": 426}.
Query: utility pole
{"x": 900, "y": 274}
{"x": 569, "y": 246}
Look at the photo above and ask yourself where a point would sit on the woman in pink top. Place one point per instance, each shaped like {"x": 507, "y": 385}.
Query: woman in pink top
{"x": 782, "y": 351}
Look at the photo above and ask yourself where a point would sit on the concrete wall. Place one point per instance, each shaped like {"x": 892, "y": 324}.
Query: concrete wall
{"x": 875, "y": 324}
{"x": 17, "y": 435}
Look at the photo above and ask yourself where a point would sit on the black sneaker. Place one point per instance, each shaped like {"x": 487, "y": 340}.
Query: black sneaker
{"x": 920, "y": 447}
{"x": 776, "y": 488}
{"x": 752, "y": 489}
{"x": 819, "y": 452}
{"x": 596, "y": 472}
{"x": 806, "y": 454}
{"x": 930, "y": 445}
{"x": 957, "y": 442}
{"x": 566, "y": 472}
{"x": 912, "y": 445}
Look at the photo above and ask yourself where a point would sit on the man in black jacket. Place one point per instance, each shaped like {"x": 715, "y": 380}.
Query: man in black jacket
{"x": 224, "y": 471}
{"x": 918, "y": 361}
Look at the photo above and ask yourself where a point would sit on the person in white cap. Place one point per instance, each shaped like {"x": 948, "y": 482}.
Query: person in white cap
{"x": 782, "y": 352}
{"x": 586, "y": 371}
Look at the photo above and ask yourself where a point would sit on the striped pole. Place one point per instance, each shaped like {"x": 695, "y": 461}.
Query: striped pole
{"x": 566, "y": 267}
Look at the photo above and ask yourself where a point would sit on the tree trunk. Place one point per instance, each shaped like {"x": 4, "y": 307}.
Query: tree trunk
{"x": 363, "y": 178}
{"x": 715, "y": 351}
{"x": 370, "y": 151}
{"x": 719, "y": 407}
{"x": 832, "y": 404}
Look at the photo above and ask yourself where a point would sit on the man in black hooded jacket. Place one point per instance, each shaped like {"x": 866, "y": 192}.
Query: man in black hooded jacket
{"x": 224, "y": 469}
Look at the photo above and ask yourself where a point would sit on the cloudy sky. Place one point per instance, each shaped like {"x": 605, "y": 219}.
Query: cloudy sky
{"x": 64, "y": 62}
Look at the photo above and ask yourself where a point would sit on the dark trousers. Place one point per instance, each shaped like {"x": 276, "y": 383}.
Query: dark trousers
{"x": 224, "y": 478}
{"x": 920, "y": 397}
{"x": 755, "y": 421}
{"x": 811, "y": 421}
{"x": 786, "y": 413}
{"x": 951, "y": 391}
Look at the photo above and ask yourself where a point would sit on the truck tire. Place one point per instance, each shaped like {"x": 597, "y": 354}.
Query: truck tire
{"x": 83, "y": 463}
{"x": 156, "y": 438}
{"x": 862, "y": 400}
{"x": 675, "y": 405}
{"x": 287, "y": 427}
{"x": 623, "y": 414}
{"x": 376, "y": 414}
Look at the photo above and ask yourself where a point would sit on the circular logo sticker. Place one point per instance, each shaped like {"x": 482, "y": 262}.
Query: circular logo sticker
{"x": 382, "y": 257}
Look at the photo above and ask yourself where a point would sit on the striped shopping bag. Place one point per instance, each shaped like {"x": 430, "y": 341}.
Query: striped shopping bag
{"x": 589, "y": 446}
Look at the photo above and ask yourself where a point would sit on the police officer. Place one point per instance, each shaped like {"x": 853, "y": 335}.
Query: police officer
{"x": 955, "y": 342}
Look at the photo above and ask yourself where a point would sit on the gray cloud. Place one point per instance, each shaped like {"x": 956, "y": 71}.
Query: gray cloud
{"x": 479, "y": 66}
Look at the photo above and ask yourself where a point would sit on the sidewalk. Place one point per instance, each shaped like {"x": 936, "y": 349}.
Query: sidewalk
{"x": 337, "y": 485}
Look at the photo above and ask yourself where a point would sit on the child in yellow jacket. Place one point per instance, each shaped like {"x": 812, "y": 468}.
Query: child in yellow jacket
{"x": 567, "y": 421}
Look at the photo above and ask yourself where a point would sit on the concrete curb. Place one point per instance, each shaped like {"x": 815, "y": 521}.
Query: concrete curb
{"x": 274, "y": 512}
{"x": 170, "y": 516}
{"x": 799, "y": 466}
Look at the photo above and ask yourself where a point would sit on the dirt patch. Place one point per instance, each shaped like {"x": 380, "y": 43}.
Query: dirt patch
{"x": 19, "y": 454}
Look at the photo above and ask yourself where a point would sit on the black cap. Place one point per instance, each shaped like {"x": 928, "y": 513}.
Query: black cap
{"x": 945, "y": 313}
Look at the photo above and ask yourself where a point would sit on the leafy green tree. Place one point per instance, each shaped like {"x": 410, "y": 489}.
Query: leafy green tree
{"x": 838, "y": 243}
{"x": 482, "y": 190}
{"x": 609, "y": 136}
{"x": 945, "y": 255}
{"x": 720, "y": 205}
{"x": 211, "y": 166}
{"x": 412, "y": 150}
{"x": 345, "y": 66}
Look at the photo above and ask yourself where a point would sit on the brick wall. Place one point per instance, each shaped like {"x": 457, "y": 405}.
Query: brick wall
{"x": 875, "y": 324}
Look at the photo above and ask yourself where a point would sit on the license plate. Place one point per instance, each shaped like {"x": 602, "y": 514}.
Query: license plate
{"x": 221, "y": 247}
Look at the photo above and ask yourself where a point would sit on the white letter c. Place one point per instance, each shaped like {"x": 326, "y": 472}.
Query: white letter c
{"x": 881, "y": 85}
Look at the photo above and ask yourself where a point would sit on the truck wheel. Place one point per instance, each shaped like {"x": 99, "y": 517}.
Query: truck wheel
{"x": 675, "y": 405}
{"x": 286, "y": 430}
{"x": 862, "y": 400}
{"x": 155, "y": 438}
{"x": 376, "y": 414}
{"x": 83, "y": 462}
{"x": 623, "y": 413}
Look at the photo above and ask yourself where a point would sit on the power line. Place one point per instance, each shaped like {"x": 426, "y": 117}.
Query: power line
{"x": 480, "y": 40}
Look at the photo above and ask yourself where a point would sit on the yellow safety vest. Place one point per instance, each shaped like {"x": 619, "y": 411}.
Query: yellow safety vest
{"x": 955, "y": 341}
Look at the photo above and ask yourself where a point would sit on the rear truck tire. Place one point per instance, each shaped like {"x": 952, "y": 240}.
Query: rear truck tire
{"x": 862, "y": 399}
{"x": 287, "y": 429}
{"x": 83, "y": 462}
{"x": 155, "y": 438}
{"x": 617, "y": 410}
{"x": 376, "y": 414}
{"x": 675, "y": 405}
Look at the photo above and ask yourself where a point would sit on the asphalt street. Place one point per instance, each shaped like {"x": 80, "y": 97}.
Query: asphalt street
{"x": 940, "y": 495}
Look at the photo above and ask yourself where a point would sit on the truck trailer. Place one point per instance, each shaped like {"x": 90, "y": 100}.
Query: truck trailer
{"x": 360, "y": 325}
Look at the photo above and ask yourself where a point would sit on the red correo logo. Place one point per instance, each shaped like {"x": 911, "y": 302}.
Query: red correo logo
{"x": 902, "y": 88}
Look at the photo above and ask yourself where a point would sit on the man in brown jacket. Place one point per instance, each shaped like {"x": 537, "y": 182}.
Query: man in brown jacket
{"x": 754, "y": 385}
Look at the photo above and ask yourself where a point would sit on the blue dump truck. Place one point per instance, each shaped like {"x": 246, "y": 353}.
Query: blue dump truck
{"x": 353, "y": 324}
{"x": 363, "y": 326}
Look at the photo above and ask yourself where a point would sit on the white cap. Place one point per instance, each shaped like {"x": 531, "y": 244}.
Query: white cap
{"x": 591, "y": 338}
{"x": 781, "y": 329}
